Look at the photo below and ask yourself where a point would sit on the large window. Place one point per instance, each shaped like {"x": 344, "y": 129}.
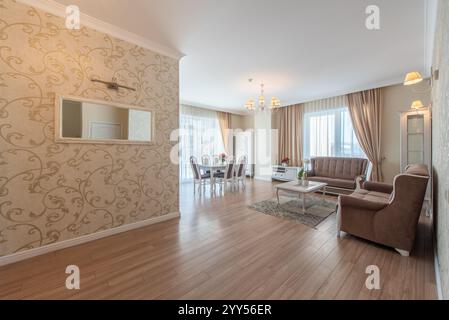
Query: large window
{"x": 328, "y": 130}
{"x": 199, "y": 135}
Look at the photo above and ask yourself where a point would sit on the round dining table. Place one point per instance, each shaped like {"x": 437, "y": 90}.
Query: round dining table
{"x": 212, "y": 168}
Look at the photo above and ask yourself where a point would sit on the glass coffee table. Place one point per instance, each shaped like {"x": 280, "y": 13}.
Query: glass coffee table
{"x": 302, "y": 191}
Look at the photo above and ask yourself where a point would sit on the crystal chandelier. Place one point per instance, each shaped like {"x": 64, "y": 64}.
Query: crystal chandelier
{"x": 251, "y": 106}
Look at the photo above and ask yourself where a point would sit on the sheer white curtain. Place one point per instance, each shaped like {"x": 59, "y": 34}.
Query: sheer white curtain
{"x": 200, "y": 135}
{"x": 328, "y": 129}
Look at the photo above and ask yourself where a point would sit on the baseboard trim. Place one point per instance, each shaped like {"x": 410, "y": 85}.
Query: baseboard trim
{"x": 261, "y": 178}
{"x": 438, "y": 275}
{"x": 16, "y": 257}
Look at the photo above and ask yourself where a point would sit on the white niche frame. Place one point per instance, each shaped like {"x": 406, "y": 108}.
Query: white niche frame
{"x": 58, "y": 122}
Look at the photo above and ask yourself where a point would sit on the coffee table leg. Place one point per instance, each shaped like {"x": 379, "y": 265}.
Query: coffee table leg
{"x": 303, "y": 203}
{"x": 212, "y": 181}
{"x": 324, "y": 195}
{"x": 277, "y": 195}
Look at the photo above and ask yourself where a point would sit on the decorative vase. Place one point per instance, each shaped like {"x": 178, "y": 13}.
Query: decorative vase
{"x": 305, "y": 182}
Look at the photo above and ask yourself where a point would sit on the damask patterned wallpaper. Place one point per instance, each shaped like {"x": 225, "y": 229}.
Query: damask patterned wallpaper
{"x": 440, "y": 143}
{"x": 50, "y": 191}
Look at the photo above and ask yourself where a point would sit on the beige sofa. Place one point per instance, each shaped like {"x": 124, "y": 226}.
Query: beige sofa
{"x": 386, "y": 214}
{"x": 340, "y": 174}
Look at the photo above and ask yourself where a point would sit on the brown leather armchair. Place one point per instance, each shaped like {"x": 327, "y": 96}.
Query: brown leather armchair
{"x": 386, "y": 214}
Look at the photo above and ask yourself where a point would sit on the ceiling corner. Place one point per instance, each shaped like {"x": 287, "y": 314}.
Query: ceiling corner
{"x": 58, "y": 9}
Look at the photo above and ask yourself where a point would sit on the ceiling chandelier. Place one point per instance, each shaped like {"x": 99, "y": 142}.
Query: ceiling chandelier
{"x": 251, "y": 106}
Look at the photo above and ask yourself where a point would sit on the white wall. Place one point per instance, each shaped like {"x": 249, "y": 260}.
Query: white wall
{"x": 263, "y": 145}
{"x": 104, "y": 113}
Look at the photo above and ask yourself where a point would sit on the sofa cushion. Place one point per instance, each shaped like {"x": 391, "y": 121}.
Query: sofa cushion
{"x": 332, "y": 182}
{"x": 378, "y": 186}
{"x": 338, "y": 167}
{"x": 371, "y": 196}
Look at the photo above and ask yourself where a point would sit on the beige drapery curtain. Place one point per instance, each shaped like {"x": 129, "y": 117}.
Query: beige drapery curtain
{"x": 290, "y": 134}
{"x": 224, "y": 119}
{"x": 365, "y": 110}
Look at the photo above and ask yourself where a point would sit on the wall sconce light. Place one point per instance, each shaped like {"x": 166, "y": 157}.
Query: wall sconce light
{"x": 412, "y": 78}
{"x": 113, "y": 85}
{"x": 416, "y": 105}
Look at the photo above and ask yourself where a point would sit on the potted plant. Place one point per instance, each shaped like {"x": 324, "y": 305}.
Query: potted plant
{"x": 284, "y": 161}
{"x": 305, "y": 180}
{"x": 302, "y": 177}
{"x": 300, "y": 173}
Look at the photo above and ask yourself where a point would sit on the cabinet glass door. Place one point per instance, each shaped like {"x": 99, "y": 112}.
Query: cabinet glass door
{"x": 415, "y": 138}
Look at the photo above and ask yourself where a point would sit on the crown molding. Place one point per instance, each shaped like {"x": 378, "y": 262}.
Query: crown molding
{"x": 380, "y": 84}
{"x": 375, "y": 85}
{"x": 58, "y": 9}
{"x": 208, "y": 107}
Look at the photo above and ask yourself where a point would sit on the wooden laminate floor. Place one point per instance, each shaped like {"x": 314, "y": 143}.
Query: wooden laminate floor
{"x": 220, "y": 249}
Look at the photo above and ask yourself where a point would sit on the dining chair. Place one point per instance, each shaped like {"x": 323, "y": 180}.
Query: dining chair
{"x": 205, "y": 160}
{"x": 240, "y": 173}
{"x": 198, "y": 178}
{"x": 223, "y": 178}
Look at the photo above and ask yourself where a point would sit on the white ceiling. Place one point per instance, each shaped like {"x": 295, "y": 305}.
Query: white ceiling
{"x": 300, "y": 49}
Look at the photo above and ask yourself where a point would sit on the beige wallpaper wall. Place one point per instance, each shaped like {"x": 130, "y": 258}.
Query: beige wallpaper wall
{"x": 241, "y": 122}
{"x": 50, "y": 191}
{"x": 440, "y": 143}
{"x": 396, "y": 99}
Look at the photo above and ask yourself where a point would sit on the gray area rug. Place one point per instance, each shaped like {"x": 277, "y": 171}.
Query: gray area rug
{"x": 290, "y": 207}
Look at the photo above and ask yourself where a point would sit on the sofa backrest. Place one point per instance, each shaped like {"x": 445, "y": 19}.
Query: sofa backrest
{"x": 338, "y": 167}
{"x": 411, "y": 186}
{"x": 417, "y": 170}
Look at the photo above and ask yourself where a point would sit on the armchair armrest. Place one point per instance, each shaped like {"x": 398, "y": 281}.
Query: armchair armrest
{"x": 377, "y": 186}
{"x": 349, "y": 201}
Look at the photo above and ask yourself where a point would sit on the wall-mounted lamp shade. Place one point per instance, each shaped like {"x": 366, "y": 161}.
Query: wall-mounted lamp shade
{"x": 412, "y": 78}
{"x": 416, "y": 105}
